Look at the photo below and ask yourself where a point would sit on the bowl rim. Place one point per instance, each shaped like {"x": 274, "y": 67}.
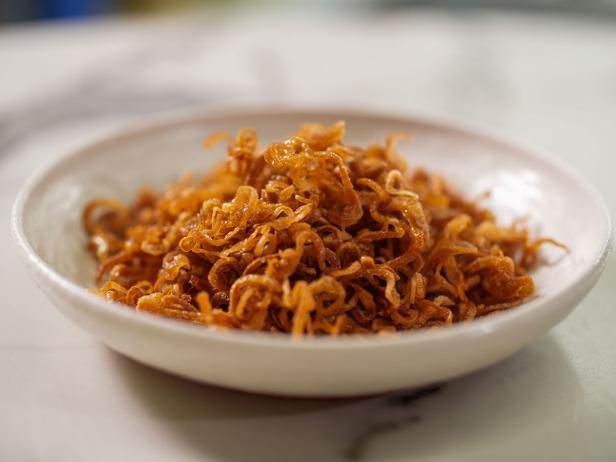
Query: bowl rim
{"x": 490, "y": 324}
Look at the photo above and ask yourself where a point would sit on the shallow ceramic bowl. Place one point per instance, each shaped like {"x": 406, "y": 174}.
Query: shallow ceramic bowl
{"x": 555, "y": 200}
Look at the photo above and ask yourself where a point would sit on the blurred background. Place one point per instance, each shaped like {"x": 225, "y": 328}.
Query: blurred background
{"x": 28, "y": 10}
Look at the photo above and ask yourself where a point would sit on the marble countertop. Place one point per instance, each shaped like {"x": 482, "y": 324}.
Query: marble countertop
{"x": 549, "y": 81}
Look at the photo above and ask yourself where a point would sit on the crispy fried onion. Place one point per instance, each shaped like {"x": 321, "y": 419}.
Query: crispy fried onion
{"x": 310, "y": 236}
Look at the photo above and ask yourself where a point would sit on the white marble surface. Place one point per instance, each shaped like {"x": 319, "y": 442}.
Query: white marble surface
{"x": 550, "y": 81}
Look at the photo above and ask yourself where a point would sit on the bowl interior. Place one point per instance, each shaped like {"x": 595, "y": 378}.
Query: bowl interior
{"x": 554, "y": 203}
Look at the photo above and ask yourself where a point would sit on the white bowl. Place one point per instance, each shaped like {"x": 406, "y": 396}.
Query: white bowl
{"x": 557, "y": 202}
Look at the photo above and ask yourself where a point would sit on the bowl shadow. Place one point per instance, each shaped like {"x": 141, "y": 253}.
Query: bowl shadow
{"x": 485, "y": 406}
